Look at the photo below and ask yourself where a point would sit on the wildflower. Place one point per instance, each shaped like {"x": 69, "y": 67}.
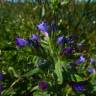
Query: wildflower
{"x": 34, "y": 37}
{"x": 67, "y": 50}
{"x": 80, "y": 60}
{"x": 92, "y": 60}
{"x": 91, "y": 70}
{"x": 78, "y": 86}
{"x": 43, "y": 27}
{"x": 60, "y": 40}
{"x": 43, "y": 85}
{"x": 21, "y": 42}
{"x": 1, "y": 76}
{"x": 34, "y": 41}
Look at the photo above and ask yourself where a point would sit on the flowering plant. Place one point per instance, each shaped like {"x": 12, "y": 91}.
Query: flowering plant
{"x": 50, "y": 54}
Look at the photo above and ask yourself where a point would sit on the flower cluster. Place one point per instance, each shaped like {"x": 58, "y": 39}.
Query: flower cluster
{"x": 67, "y": 49}
{"x": 23, "y": 42}
{"x": 34, "y": 38}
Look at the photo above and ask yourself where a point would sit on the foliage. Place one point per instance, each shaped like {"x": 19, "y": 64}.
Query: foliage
{"x": 24, "y": 67}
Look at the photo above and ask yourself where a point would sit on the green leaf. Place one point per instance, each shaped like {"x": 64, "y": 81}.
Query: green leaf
{"x": 12, "y": 72}
{"x": 58, "y": 71}
{"x": 34, "y": 88}
{"x": 32, "y": 72}
{"x": 76, "y": 77}
{"x": 43, "y": 11}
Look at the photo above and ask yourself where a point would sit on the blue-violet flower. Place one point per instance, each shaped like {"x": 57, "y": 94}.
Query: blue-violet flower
{"x": 21, "y": 42}
{"x": 80, "y": 60}
{"x": 43, "y": 85}
{"x": 34, "y": 37}
{"x": 43, "y": 27}
{"x": 67, "y": 50}
{"x": 60, "y": 40}
{"x": 78, "y": 86}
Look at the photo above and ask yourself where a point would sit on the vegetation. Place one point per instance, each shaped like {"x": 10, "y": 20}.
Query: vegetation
{"x": 48, "y": 49}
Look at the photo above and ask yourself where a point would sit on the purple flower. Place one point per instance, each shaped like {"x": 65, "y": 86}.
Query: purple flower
{"x": 67, "y": 50}
{"x": 91, "y": 70}
{"x": 80, "y": 60}
{"x": 43, "y": 85}
{"x": 92, "y": 60}
{"x": 34, "y": 37}
{"x": 78, "y": 86}
{"x": 21, "y": 42}
{"x": 60, "y": 40}
{"x": 43, "y": 27}
{"x": 1, "y": 76}
{"x": 34, "y": 41}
